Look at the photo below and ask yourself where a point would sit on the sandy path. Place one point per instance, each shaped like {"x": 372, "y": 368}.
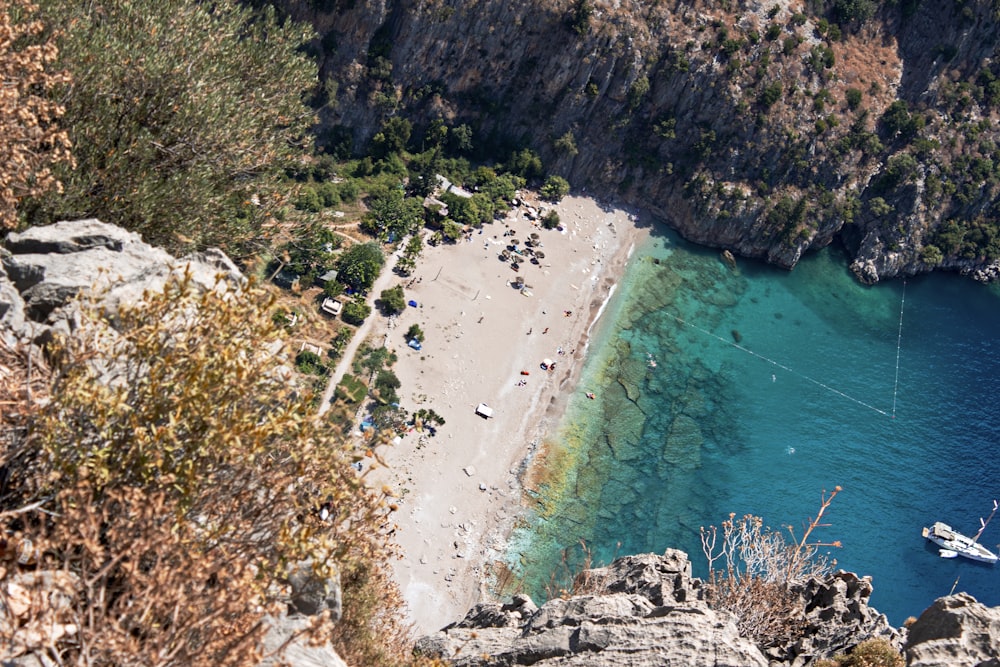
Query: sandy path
{"x": 458, "y": 489}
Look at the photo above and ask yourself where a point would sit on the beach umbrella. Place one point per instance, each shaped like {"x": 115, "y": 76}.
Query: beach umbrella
{"x": 539, "y": 254}
{"x": 534, "y": 236}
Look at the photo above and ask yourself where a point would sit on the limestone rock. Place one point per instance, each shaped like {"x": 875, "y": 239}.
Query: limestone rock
{"x": 313, "y": 595}
{"x": 44, "y": 268}
{"x": 645, "y": 611}
{"x": 837, "y": 618}
{"x": 955, "y": 631}
{"x": 298, "y": 652}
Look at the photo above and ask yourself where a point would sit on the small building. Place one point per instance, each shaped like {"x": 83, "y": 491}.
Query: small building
{"x": 484, "y": 411}
{"x": 331, "y": 306}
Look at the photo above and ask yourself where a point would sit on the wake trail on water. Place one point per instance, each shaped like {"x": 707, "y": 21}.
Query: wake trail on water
{"x": 823, "y": 385}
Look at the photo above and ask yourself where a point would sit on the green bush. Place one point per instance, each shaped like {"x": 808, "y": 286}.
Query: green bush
{"x": 853, "y": 97}
{"x": 415, "y": 332}
{"x": 770, "y": 95}
{"x": 355, "y": 312}
{"x": 555, "y": 188}
{"x": 392, "y": 301}
{"x": 550, "y": 220}
{"x": 177, "y": 136}
{"x": 310, "y": 363}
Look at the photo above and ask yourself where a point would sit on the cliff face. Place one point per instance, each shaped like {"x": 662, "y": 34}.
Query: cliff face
{"x": 764, "y": 128}
{"x": 647, "y": 610}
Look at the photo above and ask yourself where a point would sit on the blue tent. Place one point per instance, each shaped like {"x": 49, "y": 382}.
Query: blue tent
{"x": 411, "y": 303}
{"x": 414, "y": 343}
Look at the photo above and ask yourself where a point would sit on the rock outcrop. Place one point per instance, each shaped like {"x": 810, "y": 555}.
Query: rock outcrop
{"x": 45, "y": 268}
{"x": 955, "y": 631}
{"x": 648, "y": 610}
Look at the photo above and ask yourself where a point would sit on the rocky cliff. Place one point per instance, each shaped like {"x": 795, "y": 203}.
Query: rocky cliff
{"x": 648, "y": 610}
{"x": 768, "y": 128}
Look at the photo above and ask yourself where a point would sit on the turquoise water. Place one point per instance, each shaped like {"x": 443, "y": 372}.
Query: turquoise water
{"x": 809, "y": 399}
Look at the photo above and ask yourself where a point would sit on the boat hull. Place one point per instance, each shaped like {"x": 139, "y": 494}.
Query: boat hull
{"x": 951, "y": 540}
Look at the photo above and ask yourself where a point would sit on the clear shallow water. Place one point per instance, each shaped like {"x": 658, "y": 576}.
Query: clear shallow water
{"x": 806, "y": 405}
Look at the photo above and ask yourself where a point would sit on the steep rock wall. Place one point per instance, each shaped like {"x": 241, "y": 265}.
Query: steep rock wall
{"x": 733, "y": 122}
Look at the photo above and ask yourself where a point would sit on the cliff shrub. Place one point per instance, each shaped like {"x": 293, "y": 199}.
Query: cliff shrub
{"x": 33, "y": 141}
{"x": 759, "y": 565}
{"x": 183, "y": 115}
{"x": 870, "y": 653}
{"x": 171, "y": 480}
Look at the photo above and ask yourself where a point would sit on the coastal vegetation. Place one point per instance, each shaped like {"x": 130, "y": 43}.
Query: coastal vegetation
{"x": 760, "y": 569}
{"x": 179, "y": 521}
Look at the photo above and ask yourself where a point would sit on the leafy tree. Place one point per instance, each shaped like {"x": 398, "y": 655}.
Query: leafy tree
{"x": 460, "y": 139}
{"x": 637, "y": 91}
{"x": 392, "y": 214}
{"x": 450, "y": 231}
{"x": 181, "y": 491}
{"x": 387, "y": 383}
{"x": 310, "y": 252}
{"x": 555, "y": 188}
{"x": 183, "y": 114}
{"x": 360, "y": 265}
{"x": 392, "y": 301}
{"x": 392, "y": 138}
{"x": 355, "y": 311}
{"x": 32, "y": 139}
{"x": 579, "y": 18}
{"x": 931, "y": 254}
{"x": 415, "y": 332}
{"x": 854, "y": 11}
{"x": 898, "y": 121}
{"x": 525, "y": 163}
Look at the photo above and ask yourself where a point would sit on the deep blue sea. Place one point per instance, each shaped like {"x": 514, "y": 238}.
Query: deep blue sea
{"x": 770, "y": 387}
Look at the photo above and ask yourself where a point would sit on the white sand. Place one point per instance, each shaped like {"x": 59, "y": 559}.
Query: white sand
{"x": 477, "y": 343}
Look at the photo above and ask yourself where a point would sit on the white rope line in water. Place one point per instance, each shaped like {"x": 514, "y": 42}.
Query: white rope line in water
{"x": 899, "y": 345}
{"x": 782, "y": 366}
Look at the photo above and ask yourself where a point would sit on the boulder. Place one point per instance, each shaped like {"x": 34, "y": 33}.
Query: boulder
{"x": 955, "y": 631}
{"x": 44, "y": 268}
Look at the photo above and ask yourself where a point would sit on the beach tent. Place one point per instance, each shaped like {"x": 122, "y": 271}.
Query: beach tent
{"x": 547, "y": 364}
{"x": 484, "y": 411}
{"x": 414, "y": 343}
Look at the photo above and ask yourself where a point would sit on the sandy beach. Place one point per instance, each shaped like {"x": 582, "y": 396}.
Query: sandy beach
{"x": 485, "y": 342}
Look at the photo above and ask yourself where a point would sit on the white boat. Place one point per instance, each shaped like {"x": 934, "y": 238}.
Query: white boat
{"x": 954, "y": 543}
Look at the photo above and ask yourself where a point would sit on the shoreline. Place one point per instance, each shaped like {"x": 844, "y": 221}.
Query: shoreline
{"x": 459, "y": 491}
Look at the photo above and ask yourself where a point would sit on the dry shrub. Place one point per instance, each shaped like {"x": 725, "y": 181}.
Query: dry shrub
{"x": 176, "y": 476}
{"x": 759, "y": 566}
{"x": 870, "y": 653}
{"x": 32, "y": 141}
